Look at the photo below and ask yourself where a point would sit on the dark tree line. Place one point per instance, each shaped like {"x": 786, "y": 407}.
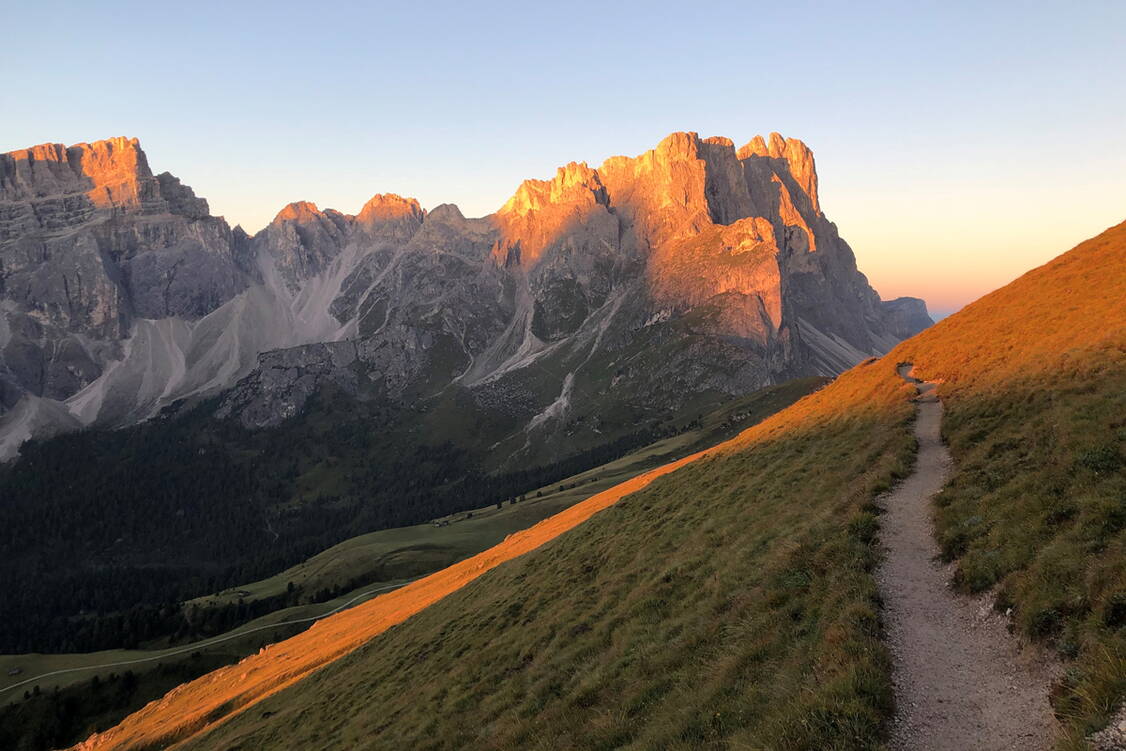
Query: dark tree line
{"x": 102, "y": 534}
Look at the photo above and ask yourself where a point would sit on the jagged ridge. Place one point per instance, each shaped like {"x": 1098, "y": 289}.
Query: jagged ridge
{"x": 123, "y": 295}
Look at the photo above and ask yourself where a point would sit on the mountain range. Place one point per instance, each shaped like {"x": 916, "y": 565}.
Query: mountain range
{"x": 736, "y": 598}
{"x": 209, "y": 408}
{"x": 672, "y": 280}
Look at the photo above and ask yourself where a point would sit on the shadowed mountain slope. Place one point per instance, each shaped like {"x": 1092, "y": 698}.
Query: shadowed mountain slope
{"x": 731, "y": 603}
{"x": 120, "y": 294}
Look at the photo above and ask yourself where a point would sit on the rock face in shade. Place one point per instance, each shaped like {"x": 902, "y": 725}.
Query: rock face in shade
{"x": 906, "y": 316}
{"x": 90, "y": 242}
{"x": 691, "y": 272}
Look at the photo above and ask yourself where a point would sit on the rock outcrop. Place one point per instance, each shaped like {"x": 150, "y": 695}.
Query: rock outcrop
{"x": 90, "y": 242}
{"x": 693, "y": 271}
{"x": 905, "y": 316}
{"x": 695, "y": 268}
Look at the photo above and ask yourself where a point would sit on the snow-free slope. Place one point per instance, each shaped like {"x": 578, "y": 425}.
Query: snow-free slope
{"x": 382, "y": 368}
{"x": 732, "y": 602}
{"x": 123, "y": 295}
{"x": 961, "y": 681}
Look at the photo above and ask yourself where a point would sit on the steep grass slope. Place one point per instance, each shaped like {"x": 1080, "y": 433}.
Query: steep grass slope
{"x": 731, "y": 604}
{"x": 407, "y": 552}
{"x": 1034, "y": 381}
{"x": 90, "y": 700}
{"x": 677, "y": 584}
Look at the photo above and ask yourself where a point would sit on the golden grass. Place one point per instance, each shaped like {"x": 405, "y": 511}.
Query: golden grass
{"x": 730, "y": 604}
{"x": 220, "y": 693}
{"x": 718, "y": 605}
{"x": 1034, "y": 380}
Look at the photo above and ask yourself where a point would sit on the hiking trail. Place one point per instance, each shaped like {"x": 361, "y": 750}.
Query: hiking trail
{"x": 961, "y": 680}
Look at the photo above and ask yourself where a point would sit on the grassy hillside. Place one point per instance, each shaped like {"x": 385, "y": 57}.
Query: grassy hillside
{"x": 92, "y": 699}
{"x": 1034, "y": 380}
{"x": 731, "y": 603}
{"x": 716, "y": 607}
{"x": 683, "y": 580}
{"x": 405, "y": 552}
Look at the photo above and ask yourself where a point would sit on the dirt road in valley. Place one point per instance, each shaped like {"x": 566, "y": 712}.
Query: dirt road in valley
{"x": 961, "y": 681}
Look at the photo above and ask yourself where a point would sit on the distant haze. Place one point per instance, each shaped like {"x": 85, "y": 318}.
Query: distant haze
{"x": 958, "y": 144}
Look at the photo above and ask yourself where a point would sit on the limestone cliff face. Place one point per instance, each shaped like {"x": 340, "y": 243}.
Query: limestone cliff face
{"x": 695, "y": 268}
{"x": 742, "y": 229}
{"x": 303, "y": 240}
{"x": 906, "y": 316}
{"x": 90, "y": 241}
{"x": 690, "y": 272}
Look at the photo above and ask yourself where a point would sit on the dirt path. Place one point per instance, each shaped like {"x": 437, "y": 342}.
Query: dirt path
{"x": 961, "y": 681}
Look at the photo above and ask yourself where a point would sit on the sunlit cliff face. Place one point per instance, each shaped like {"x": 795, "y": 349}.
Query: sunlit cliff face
{"x": 706, "y": 220}
{"x": 692, "y": 241}
{"x": 90, "y": 242}
{"x": 113, "y": 173}
{"x": 680, "y": 189}
{"x": 389, "y": 206}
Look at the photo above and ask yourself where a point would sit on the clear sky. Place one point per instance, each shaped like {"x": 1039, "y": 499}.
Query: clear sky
{"x": 958, "y": 144}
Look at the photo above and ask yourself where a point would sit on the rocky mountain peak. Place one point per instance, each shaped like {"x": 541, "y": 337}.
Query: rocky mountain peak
{"x": 388, "y": 206}
{"x": 541, "y": 212}
{"x": 693, "y": 241}
{"x": 52, "y": 187}
{"x": 574, "y": 183}
{"x": 111, "y": 172}
{"x": 754, "y": 147}
{"x": 677, "y": 190}
{"x": 792, "y": 156}
{"x": 91, "y": 244}
{"x": 720, "y": 141}
{"x": 298, "y": 211}
{"x": 181, "y": 199}
{"x": 679, "y": 145}
{"x": 447, "y": 212}
{"x": 302, "y": 240}
{"x": 117, "y": 167}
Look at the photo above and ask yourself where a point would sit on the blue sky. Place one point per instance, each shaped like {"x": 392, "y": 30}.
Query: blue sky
{"x": 958, "y": 144}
